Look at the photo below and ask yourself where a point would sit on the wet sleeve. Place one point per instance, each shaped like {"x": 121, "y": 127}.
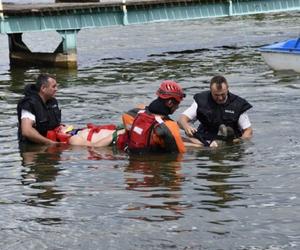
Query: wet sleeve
{"x": 27, "y": 114}
{"x": 244, "y": 121}
{"x": 191, "y": 112}
{"x": 170, "y": 133}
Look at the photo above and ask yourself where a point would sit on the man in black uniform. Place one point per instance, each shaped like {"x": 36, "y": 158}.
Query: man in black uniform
{"x": 38, "y": 111}
{"x": 214, "y": 109}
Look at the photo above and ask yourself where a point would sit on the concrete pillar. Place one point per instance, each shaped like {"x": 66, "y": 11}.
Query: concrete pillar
{"x": 64, "y": 56}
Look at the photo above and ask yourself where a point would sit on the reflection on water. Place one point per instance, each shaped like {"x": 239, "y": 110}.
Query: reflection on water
{"x": 221, "y": 175}
{"x": 158, "y": 171}
{"x": 40, "y": 172}
{"x": 157, "y": 180}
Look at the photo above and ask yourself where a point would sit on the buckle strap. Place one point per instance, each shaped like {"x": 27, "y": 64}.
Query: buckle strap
{"x": 96, "y": 128}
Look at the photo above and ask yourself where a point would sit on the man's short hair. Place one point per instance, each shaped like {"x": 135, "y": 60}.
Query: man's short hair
{"x": 218, "y": 80}
{"x": 43, "y": 80}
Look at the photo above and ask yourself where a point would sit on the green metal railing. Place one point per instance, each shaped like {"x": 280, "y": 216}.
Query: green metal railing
{"x": 135, "y": 12}
{"x": 68, "y": 19}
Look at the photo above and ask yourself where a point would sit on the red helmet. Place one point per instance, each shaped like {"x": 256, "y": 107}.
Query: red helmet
{"x": 170, "y": 89}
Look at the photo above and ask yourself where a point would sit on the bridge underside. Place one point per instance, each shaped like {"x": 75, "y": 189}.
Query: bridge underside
{"x": 68, "y": 19}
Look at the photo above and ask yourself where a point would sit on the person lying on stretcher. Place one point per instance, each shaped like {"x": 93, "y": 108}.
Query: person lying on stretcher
{"x": 92, "y": 135}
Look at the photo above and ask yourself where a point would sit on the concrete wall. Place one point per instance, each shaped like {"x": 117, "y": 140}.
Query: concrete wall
{"x": 76, "y": 1}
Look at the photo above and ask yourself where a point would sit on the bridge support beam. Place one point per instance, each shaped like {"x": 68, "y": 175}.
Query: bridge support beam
{"x": 64, "y": 56}
{"x": 230, "y": 8}
{"x": 68, "y": 19}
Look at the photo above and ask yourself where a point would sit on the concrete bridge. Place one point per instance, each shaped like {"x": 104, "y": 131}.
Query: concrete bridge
{"x": 69, "y": 18}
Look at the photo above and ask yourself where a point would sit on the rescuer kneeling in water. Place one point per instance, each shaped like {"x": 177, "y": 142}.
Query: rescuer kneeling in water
{"x": 38, "y": 111}
{"x": 152, "y": 130}
{"x": 222, "y": 115}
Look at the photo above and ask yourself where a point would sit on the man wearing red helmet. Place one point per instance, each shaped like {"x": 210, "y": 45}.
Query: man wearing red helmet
{"x": 152, "y": 130}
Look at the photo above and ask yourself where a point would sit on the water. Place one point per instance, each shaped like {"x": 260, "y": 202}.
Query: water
{"x": 240, "y": 197}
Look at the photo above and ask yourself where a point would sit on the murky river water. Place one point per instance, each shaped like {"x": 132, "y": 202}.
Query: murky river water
{"x": 240, "y": 197}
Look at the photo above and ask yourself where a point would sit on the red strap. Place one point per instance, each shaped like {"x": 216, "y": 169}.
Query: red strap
{"x": 56, "y": 135}
{"x": 51, "y": 134}
{"x": 96, "y": 128}
{"x": 122, "y": 141}
{"x": 62, "y": 137}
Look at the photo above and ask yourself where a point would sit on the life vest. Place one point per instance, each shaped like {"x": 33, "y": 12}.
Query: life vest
{"x": 47, "y": 115}
{"x": 127, "y": 119}
{"x": 151, "y": 133}
{"x": 58, "y": 136}
{"x": 167, "y": 136}
{"x": 211, "y": 115}
{"x": 140, "y": 135}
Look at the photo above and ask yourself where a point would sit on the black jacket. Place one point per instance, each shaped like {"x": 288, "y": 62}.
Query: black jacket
{"x": 47, "y": 115}
{"x": 212, "y": 115}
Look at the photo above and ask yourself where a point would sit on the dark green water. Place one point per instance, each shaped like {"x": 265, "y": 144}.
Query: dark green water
{"x": 240, "y": 197}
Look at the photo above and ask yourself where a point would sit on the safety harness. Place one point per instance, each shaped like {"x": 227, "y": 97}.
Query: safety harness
{"x": 141, "y": 131}
{"x": 96, "y": 128}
